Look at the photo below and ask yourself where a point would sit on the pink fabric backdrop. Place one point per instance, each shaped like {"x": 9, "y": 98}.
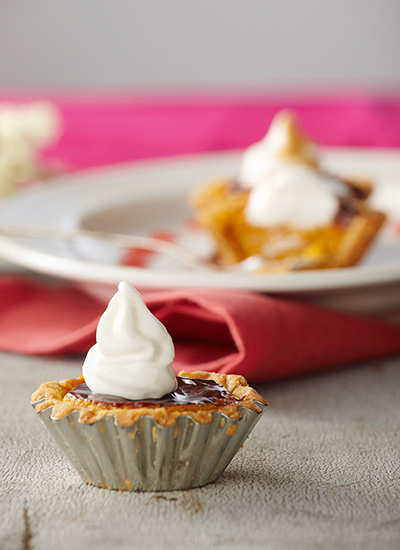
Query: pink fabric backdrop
{"x": 105, "y": 129}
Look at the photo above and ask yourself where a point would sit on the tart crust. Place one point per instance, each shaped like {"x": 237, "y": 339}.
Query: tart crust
{"x": 54, "y": 394}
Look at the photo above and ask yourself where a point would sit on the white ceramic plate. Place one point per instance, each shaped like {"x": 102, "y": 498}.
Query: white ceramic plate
{"x": 140, "y": 197}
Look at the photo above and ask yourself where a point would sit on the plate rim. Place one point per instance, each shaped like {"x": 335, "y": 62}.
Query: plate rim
{"x": 21, "y": 254}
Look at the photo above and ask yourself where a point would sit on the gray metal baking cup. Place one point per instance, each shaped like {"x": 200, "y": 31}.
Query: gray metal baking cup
{"x": 147, "y": 456}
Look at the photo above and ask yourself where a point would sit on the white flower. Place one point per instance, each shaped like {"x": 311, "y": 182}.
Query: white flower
{"x": 24, "y": 129}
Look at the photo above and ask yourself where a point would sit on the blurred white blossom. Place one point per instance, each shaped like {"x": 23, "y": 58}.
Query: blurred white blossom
{"x": 24, "y": 130}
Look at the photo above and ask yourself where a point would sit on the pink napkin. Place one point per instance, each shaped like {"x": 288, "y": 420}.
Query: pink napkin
{"x": 261, "y": 337}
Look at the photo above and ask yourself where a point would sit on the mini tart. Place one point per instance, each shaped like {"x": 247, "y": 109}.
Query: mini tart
{"x": 56, "y": 394}
{"x": 219, "y": 208}
{"x": 158, "y": 448}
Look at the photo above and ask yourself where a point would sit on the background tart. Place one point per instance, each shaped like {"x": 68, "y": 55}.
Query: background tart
{"x": 219, "y": 207}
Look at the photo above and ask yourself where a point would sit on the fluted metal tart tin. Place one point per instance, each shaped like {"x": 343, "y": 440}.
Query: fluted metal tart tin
{"x": 147, "y": 456}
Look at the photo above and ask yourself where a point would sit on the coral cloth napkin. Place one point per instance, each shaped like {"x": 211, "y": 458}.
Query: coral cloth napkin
{"x": 261, "y": 337}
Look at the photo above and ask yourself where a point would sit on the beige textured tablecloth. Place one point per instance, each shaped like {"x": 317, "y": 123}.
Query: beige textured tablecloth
{"x": 320, "y": 471}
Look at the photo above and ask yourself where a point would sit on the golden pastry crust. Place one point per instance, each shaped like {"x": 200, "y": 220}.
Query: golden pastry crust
{"x": 219, "y": 208}
{"x": 358, "y": 237}
{"x": 54, "y": 394}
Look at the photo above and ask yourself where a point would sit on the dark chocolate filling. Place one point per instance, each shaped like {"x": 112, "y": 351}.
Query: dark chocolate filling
{"x": 190, "y": 391}
{"x": 349, "y": 198}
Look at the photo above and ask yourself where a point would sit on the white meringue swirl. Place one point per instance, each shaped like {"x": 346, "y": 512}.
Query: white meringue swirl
{"x": 296, "y": 196}
{"x": 283, "y": 144}
{"x": 134, "y": 352}
{"x": 286, "y": 187}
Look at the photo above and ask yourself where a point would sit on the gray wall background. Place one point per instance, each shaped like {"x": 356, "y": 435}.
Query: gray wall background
{"x": 229, "y": 44}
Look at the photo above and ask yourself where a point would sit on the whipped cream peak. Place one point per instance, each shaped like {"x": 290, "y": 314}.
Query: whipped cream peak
{"x": 134, "y": 352}
{"x": 295, "y": 196}
{"x": 283, "y": 144}
{"x": 286, "y": 139}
